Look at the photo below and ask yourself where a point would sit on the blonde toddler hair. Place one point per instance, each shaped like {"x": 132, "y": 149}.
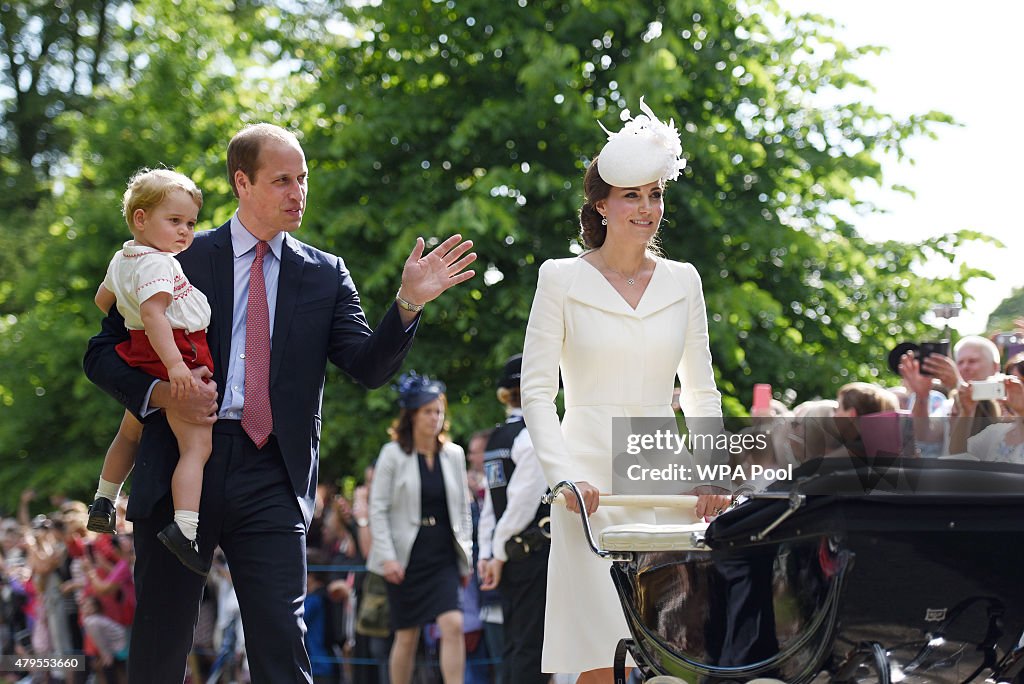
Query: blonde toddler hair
{"x": 149, "y": 187}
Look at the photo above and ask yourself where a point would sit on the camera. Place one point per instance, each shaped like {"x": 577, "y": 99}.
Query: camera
{"x": 946, "y": 311}
{"x": 921, "y": 352}
{"x": 988, "y": 389}
{"x": 41, "y": 522}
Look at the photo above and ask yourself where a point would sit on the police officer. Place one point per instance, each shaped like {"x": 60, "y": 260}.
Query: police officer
{"x": 513, "y": 534}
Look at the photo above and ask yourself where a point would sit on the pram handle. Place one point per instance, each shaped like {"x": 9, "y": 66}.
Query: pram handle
{"x": 681, "y": 501}
{"x": 601, "y": 553}
{"x": 646, "y": 500}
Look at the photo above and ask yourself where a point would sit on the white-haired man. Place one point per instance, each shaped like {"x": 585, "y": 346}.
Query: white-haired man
{"x": 974, "y": 358}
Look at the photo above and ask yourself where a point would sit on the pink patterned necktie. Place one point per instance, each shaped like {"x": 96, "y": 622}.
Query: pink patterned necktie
{"x": 257, "y": 420}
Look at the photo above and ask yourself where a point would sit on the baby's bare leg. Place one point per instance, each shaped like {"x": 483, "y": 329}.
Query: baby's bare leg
{"x": 120, "y": 458}
{"x": 194, "y": 445}
{"x": 181, "y": 536}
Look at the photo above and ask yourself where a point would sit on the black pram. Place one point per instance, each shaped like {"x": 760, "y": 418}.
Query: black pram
{"x": 889, "y": 571}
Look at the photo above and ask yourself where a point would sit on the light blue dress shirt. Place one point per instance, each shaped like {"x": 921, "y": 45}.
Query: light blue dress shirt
{"x": 243, "y": 244}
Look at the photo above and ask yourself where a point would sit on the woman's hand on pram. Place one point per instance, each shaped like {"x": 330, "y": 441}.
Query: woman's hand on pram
{"x": 591, "y": 498}
{"x": 710, "y": 505}
{"x": 394, "y": 572}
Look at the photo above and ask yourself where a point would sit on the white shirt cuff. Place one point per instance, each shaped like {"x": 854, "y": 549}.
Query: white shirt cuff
{"x": 146, "y": 408}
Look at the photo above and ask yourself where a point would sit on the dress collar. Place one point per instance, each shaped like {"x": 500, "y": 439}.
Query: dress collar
{"x": 590, "y": 287}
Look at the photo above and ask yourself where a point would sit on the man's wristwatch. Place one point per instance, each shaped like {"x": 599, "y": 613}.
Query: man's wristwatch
{"x": 408, "y": 306}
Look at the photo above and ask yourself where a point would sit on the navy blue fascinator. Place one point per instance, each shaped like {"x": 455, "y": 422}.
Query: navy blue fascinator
{"x": 415, "y": 390}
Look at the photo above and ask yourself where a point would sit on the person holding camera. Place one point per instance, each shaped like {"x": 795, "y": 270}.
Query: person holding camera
{"x": 1002, "y": 441}
{"x": 514, "y": 541}
{"x": 107, "y": 573}
{"x": 47, "y": 556}
{"x": 1015, "y": 366}
{"x": 975, "y": 359}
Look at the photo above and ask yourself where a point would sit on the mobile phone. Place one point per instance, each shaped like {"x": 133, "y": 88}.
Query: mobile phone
{"x": 987, "y": 389}
{"x": 762, "y": 396}
{"x": 926, "y": 349}
{"x": 348, "y": 487}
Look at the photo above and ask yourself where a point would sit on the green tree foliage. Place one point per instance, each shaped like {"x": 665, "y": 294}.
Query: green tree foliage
{"x": 189, "y": 85}
{"x": 480, "y": 117}
{"x": 424, "y": 118}
{"x": 51, "y": 55}
{"x": 1009, "y": 310}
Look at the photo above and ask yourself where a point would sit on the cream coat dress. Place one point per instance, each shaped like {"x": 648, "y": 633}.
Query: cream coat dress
{"x": 615, "y": 362}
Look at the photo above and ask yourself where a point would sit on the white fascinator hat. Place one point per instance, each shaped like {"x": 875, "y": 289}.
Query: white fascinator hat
{"x": 644, "y": 151}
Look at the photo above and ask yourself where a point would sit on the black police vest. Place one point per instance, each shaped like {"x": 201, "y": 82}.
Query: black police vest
{"x": 499, "y": 466}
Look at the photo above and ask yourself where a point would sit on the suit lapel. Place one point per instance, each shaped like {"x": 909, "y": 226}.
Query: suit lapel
{"x": 591, "y": 288}
{"x": 411, "y": 477}
{"x": 288, "y": 286}
{"x": 451, "y": 484}
{"x": 222, "y": 265}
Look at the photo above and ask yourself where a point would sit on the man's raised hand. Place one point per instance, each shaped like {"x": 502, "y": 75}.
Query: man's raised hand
{"x": 426, "y": 276}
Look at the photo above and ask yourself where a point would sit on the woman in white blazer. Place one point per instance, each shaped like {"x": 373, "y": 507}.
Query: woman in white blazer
{"x": 421, "y": 528}
{"x": 621, "y": 322}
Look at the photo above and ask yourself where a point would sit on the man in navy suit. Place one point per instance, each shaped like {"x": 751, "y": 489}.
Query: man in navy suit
{"x": 259, "y": 483}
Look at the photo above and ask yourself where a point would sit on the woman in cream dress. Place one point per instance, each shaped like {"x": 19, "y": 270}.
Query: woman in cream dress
{"x": 622, "y": 323}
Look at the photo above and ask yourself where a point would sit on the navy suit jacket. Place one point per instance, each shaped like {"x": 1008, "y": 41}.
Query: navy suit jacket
{"x": 318, "y": 318}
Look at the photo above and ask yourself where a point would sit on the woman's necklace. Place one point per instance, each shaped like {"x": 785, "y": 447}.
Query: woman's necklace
{"x": 630, "y": 280}
{"x": 428, "y": 457}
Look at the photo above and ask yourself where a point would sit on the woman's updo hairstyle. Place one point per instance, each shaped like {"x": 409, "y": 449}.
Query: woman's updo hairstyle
{"x": 592, "y": 231}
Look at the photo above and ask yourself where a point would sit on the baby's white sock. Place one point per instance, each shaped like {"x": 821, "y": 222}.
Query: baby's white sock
{"x": 188, "y": 523}
{"x": 108, "y": 490}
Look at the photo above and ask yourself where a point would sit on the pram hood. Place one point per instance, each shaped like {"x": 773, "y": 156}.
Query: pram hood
{"x": 881, "y": 495}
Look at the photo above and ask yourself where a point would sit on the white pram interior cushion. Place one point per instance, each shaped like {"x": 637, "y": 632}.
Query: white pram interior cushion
{"x": 647, "y": 537}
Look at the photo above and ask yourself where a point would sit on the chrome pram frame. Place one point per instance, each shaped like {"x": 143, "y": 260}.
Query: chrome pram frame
{"x": 848, "y": 576}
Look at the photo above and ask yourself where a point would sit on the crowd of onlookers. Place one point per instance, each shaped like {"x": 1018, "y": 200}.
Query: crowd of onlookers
{"x": 65, "y": 590}
{"x": 965, "y": 406}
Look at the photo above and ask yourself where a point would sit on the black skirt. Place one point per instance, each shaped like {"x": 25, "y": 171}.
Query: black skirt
{"x": 431, "y": 584}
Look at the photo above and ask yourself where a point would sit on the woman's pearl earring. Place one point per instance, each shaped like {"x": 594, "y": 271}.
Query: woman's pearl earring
{"x": 604, "y": 220}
